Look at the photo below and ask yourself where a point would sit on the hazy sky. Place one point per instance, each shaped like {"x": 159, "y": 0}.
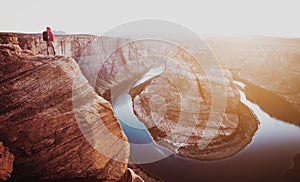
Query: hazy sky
{"x": 223, "y": 17}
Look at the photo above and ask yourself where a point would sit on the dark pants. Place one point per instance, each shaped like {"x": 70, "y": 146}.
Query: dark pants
{"x": 50, "y": 44}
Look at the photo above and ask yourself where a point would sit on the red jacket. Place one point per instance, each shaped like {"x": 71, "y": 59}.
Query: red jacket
{"x": 51, "y": 36}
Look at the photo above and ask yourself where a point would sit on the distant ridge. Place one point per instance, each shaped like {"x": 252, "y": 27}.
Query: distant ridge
{"x": 58, "y": 32}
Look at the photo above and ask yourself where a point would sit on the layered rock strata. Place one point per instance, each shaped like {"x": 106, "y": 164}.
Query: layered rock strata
{"x": 57, "y": 127}
{"x": 179, "y": 105}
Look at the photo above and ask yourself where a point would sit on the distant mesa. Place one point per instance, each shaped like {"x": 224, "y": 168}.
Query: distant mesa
{"x": 59, "y": 32}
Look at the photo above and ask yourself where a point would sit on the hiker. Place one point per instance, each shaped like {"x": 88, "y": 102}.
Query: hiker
{"x": 49, "y": 37}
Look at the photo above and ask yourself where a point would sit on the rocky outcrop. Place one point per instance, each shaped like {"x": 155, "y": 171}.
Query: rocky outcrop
{"x": 141, "y": 172}
{"x": 165, "y": 115}
{"x": 169, "y": 104}
{"x": 130, "y": 176}
{"x": 270, "y": 69}
{"x": 6, "y": 163}
{"x": 56, "y": 126}
{"x": 166, "y": 107}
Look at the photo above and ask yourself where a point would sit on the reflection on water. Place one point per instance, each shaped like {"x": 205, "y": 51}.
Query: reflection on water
{"x": 272, "y": 103}
{"x": 266, "y": 158}
{"x": 150, "y": 74}
{"x": 272, "y": 130}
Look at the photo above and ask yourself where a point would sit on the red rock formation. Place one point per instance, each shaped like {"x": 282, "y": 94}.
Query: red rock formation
{"x": 167, "y": 110}
{"x": 130, "y": 176}
{"x": 39, "y": 121}
{"x": 6, "y": 163}
{"x": 176, "y": 106}
{"x": 140, "y": 172}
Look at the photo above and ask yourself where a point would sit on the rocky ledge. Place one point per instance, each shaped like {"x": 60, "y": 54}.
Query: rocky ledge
{"x": 51, "y": 137}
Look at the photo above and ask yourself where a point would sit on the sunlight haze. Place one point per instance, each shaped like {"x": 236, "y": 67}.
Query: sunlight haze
{"x": 211, "y": 17}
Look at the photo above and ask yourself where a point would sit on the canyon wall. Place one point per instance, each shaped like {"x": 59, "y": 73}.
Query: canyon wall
{"x": 108, "y": 63}
{"x": 41, "y": 125}
{"x": 54, "y": 123}
{"x": 269, "y": 67}
{"x": 178, "y": 105}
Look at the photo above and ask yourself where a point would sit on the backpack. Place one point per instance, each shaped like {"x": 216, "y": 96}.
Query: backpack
{"x": 45, "y": 36}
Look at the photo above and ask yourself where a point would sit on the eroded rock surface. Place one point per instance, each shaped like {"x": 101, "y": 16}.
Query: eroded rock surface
{"x": 141, "y": 172}
{"x": 179, "y": 101}
{"x": 174, "y": 122}
{"x": 178, "y": 105}
{"x": 40, "y": 123}
{"x": 6, "y": 163}
{"x": 130, "y": 176}
{"x": 186, "y": 93}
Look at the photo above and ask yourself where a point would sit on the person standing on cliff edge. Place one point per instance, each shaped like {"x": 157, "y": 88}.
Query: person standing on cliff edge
{"x": 48, "y": 37}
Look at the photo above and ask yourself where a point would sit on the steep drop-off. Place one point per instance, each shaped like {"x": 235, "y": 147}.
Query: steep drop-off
{"x": 39, "y": 121}
{"x": 185, "y": 106}
{"x": 177, "y": 106}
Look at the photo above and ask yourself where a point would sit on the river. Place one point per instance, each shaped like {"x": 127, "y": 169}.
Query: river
{"x": 266, "y": 158}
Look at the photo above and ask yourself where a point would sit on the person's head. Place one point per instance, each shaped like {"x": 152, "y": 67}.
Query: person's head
{"x": 48, "y": 28}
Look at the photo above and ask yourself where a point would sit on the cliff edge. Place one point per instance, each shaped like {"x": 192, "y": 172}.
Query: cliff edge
{"x": 39, "y": 122}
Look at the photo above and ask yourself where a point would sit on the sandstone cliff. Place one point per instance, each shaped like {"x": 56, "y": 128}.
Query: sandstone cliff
{"x": 66, "y": 45}
{"x": 45, "y": 130}
{"x": 40, "y": 123}
{"x": 269, "y": 67}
